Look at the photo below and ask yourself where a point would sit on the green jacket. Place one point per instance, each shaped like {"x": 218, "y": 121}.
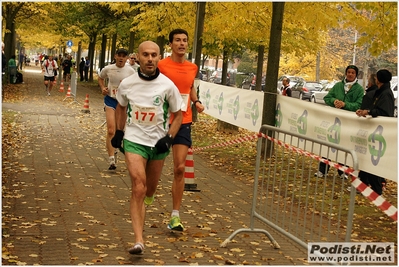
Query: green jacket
{"x": 11, "y": 63}
{"x": 353, "y": 99}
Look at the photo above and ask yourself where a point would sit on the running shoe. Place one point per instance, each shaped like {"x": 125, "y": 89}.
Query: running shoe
{"x": 137, "y": 249}
{"x": 175, "y": 224}
{"x": 112, "y": 165}
{"x": 319, "y": 174}
{"x": 148, "y": 200}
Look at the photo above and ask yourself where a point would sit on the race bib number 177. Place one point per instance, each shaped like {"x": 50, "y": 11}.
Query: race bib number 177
{"x": 143, "y": 115}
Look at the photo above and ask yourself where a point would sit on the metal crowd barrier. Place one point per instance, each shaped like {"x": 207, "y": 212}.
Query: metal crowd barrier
{"x": 289, "y": 198}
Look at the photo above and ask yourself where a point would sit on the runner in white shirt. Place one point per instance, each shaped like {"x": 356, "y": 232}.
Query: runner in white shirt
{"x": 115, "y": 73}
{"x": 145, "y": 102}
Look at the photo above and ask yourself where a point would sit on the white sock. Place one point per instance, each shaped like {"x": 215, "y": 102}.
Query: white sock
{"x": 112, "y": 159}
{"x": 175, "y": 213}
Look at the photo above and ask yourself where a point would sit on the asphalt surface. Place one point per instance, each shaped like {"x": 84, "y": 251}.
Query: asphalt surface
{"x": 61, "y": 205}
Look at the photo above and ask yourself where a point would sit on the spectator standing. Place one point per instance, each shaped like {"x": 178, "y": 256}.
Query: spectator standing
{"x": 66, "y": 66}
{"x": 12, "y": 69}
{"x": 21, "y": 60}
{"x": 115, "y": 73}
{"x": 382, "y": 104}
{"x": 286, "y": 88}
{"x": 369, "y": 94}
{"x": 81, "y": 69}
{"x": 147, "y": 138}
{"x": 49, "y": 68}
{"x": 182, "y": 72}
{"x": 87, "y": 68}
{"x": 348, "y": 95}
{"x": 3, "y": 59}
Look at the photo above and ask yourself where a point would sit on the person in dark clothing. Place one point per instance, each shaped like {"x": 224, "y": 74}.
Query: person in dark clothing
{"x": 81, "y": 69}
{"x": 368, "y": 97}
{"x": 87, "y": 68}
{"x": 66, "y": 67}
{"x": 381, "y": 104}
{"x": 286, "y": 88}
{"x": 3, "y": 59}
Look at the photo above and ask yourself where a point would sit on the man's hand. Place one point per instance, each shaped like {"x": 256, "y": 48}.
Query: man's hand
{"x": 116, "y": 141}
{"x": 339, "y": 103}
{"x": 199, "y": 107}
{"x": 164, "y": 144}
{"x": 104, "y": 91}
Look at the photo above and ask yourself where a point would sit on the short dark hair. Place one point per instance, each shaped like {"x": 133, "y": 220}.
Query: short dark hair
{"x": 176, "y": 31}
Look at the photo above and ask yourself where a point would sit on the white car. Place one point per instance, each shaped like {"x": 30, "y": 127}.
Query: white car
{"x": 318, "y": 96}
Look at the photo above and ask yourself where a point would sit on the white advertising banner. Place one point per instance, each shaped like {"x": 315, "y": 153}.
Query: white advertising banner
{"x": 375, "y": 140}
{"x": 239, "y": 107}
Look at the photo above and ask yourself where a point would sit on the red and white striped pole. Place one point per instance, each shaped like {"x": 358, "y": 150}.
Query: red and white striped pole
{"x": 189, "y": 179}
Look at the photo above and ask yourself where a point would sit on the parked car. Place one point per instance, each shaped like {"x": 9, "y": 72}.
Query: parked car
{"x": 304, "y": 90}
{"x": 293, "y": 81}
{"x": 318, "y": 96}
{"x": 203, "y": 75}
{"x": 216, "y": 77}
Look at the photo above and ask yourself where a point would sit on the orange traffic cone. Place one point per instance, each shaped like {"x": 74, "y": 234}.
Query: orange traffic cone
{"x": 61, "y": 87}
{"x": 86, "y": 108}
{"x": 69, "y": 92}
{"x": 189, "y": 180}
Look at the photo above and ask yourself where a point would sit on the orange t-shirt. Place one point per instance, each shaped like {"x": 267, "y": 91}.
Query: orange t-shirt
{"x": 182, "y": 75}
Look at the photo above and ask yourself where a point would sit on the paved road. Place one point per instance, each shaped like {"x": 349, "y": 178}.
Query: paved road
{"x": 62, "y": 206}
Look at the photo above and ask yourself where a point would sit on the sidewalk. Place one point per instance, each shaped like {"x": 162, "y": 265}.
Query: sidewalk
{"x": 61, "y": 206}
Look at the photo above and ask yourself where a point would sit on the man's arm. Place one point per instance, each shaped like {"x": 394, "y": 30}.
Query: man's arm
{"x": 176, "y": 123}
{"x": 194, "y": 98}
{"x": 101, "y": 83}
{"x": 120, "y": 117}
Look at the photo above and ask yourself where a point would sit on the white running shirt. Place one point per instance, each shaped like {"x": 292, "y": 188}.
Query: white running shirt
{"x": 115, "y": 75}
{"x": 149, "y": 104}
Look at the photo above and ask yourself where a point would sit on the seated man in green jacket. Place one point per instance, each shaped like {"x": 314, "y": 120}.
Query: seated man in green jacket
{"x": 348, "y": 95}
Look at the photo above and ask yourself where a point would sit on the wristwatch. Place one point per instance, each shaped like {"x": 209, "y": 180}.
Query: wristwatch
{"x": 195, "y": 102}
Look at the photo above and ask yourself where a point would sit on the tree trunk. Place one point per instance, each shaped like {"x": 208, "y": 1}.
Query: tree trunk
{"x": 103, "y": 50}
{"x": 131, "y": 42}
{"x": 273, "y": 64}
{"x": 161, "y": 43}
{"x": 92, "y": 48}
{"x": 259, "y": 67}
{"x": 224, "y": 67}
{"x": 113, "y": 46}
{"x": 199, "y": 29}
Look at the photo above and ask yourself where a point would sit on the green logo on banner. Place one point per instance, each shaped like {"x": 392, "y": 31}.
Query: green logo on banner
{"x": 334, "y": 132}
{"x": 220, "y": 103}
{"x": 302, "y": 123}
{"x": 377, "y": 145}
{"x": 236, "y": 107}
{"x": 278, "y": 116}
{"x": 207, "y": 99}
{"x": 255, "y": 112}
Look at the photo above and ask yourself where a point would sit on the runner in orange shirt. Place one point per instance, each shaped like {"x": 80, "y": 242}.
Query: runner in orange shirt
{"x": 182, "y": 73}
